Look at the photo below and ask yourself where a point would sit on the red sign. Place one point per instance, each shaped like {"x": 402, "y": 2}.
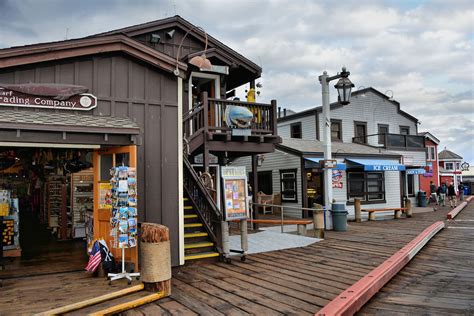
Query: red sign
{"x": 79, "y": 102}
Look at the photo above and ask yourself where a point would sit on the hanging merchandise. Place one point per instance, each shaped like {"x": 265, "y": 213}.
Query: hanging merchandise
{"x": 123, "y": 219}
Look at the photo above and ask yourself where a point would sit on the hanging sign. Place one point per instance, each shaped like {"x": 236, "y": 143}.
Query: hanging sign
{"x": 79, "y": 102}
{"x": 235, "y": 192}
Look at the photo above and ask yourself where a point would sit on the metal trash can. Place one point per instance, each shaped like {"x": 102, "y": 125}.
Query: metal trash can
{"x": 421, "y": 198}
{"x": 339, "y": 217}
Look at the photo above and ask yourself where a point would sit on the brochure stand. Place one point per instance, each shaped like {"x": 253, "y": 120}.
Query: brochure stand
{"x": 124, "y": 216}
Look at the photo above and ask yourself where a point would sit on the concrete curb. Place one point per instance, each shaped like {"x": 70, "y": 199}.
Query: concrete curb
{"x": 353, "y": 298}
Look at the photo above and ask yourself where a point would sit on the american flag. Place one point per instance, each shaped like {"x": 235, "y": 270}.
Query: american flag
{"x": 94, "y": 258}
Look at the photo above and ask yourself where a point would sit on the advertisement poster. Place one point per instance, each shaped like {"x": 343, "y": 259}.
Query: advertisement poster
{"x": 337, "y": 179}
{"x": 235, "y": 192}
{"x": 428, "y": 169}
{"x": 105, "y": 195}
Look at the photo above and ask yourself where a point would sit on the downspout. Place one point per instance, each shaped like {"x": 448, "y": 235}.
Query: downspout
{"x": 180, "y": 172}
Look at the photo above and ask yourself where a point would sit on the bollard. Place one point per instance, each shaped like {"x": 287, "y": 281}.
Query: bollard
{"x": 357, "y": 210}
{"x": 244, "y": 237}
{"x": 409, "y": 210}
{"x": 318, "y": 221}
{"x": 225, "y": 239}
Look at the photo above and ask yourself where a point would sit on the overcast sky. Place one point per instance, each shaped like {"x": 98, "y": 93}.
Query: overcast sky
{"x": 420, "y": 50}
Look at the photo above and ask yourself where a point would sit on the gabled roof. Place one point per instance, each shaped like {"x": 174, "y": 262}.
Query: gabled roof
{"x": 178, "y": 21}
{"x": 42, "y": 52}
{"x": 448, "y": 155}
{"x": 335, "y": 105}
{"x": 314, "y": 147}
{"x": 430, "y": 137}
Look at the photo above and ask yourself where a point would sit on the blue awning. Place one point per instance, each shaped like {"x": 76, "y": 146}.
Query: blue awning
{"x": 314, "y": 163}
{"x": 377, "y": 164}
{"x": 416, "y": 171}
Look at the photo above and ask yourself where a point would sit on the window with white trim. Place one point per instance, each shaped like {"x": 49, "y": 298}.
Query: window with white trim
{"x": 366, "y": 186}
{"x": 431, "y": 153}
{"x": 288, "y": 185}
{"x": 448, "y": 166}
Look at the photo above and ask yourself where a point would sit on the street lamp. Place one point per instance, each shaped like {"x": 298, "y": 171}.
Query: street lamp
{"x": 344, "y": 87}
{"x": 199, "y": 61}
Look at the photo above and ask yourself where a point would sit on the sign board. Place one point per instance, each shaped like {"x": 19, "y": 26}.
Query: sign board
{"x": 80, "y": 102}
{"x": 328, "y": 163}
{"x": 105, "y": 195}
{"x": 416, "y": 171}
{"x": 428, "y": 169}
{"x": 235, "y": 193}
{"x": 241, "y": 132}
{"x": 337, "y": 179}
{"x": 198, "y": 159}
{"x": 384, "y": 167}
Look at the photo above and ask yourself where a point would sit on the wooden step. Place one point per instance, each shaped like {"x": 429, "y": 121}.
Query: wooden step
{"x": 189, "y": 216}
{"x": 185, "y": 199}
{"x": 202, "y": 255}
{"x": 189, "y": 207}
{"x": 192, "y": 235}
{"x": 191, "y": 225}
{"x": 198, "y": 245}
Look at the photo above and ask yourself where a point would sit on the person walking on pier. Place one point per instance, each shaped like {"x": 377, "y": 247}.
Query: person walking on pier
{"x": 452, "y": 195}
{"x": 442, "y": 194}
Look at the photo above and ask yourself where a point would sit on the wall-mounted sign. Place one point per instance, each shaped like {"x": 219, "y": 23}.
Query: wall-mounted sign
{"x": 328, "y": 163}
{"x": 416, "y": 171}
{"x": 337, "y": 179}
{"x": 428, "y": 169}
{"x": 235, "y": 192}
{"x": 465, "y": 166}
{"x": 198, "y": 159}
{"x": 79, "y": 102}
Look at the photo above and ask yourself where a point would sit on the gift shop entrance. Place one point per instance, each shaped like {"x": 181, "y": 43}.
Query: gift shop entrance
{"x": 53, "y": 205}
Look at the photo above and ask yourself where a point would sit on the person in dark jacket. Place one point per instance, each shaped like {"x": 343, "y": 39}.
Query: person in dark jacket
{"x": 442, "y": 194}
{"x": 452, "y": 195}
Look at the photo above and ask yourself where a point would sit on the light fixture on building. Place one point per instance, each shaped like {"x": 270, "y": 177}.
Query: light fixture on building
{"x": 155, "y": 38}
{"x": 170, "y": 34}
{"x": 199, "y": 61}
{"x": 344, "y": 87}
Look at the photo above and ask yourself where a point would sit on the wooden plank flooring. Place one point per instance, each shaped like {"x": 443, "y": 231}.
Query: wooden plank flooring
{"x": 439, "y": 280}
{"x": 295, "y": 281}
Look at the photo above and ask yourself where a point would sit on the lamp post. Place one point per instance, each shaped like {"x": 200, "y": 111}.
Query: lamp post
{"x": 344, "y": 87}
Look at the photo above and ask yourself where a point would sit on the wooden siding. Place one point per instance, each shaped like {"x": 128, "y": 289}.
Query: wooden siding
{"x": 127, "y": 88}
{"x": 308, "y": 127}
{"x": 412, "y": 158}
{"x": 276, "y": 161}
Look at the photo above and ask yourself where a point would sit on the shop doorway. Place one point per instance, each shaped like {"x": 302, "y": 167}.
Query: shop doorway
{"x": 46, "y": 199}
{"x": 204, "y": 82}
{"x": 314, "y": 187}
{"x": 104, "y": 160}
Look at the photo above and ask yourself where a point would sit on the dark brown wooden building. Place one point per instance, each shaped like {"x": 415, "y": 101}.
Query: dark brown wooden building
{"x": 142, "y": 107}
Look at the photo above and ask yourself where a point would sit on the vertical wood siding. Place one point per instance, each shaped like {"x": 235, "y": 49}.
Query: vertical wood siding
{"x": 127, "y": 88}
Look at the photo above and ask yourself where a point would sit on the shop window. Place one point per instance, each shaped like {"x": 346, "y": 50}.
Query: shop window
{"x": 288, "y": 185}
{"x": 360, "y": 132}
{"x": 449, "y": 166}
{"x": 382, "y": 130}
{"x": 295, "y": 130}
{"x": 366, "y": 186}
{"x": 411, "y": 185}
{"x": 405, "y": 130}
{"x": 336, "y": 130}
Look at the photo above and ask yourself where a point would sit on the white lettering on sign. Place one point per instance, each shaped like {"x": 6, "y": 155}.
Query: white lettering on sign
{"x": 385, "y": 168}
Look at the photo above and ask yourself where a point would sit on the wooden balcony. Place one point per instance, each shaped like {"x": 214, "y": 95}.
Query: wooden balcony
{"x": 205, "y": 126}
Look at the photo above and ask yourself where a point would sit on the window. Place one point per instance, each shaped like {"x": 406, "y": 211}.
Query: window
{"x": 288, "y": 185}
{"x": 411, "y": 185}
{"x": 295, "y": 130}
{"x": 367, "y": 186}
{"x": 458, "y": 166}
{"x": 431, "y": 153}
{"x": 449, "y": 166}
{"x": 336, "y": 130}
{"x": 405, "y": 130}
{"x": 360, "y": 132}
{"x": 382, "y": 130}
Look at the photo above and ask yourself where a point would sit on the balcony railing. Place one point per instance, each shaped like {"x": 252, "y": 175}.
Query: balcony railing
{"x": 209, "y": 117}
{"x": 394, "y": 141}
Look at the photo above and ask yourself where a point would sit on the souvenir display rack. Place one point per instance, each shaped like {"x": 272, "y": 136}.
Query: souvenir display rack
{"x": 54, "y": 200}
{"x": 123, "y": 219}
{"x": 10, "y": 224}
{"x": 82, "y": 200}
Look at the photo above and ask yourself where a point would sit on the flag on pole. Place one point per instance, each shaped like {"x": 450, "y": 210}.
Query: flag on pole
{"x": 94, "y": 258}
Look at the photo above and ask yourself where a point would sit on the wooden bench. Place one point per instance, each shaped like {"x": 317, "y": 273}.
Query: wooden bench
{"x": 300, "y": 223}
{"x": 397, "y": 211}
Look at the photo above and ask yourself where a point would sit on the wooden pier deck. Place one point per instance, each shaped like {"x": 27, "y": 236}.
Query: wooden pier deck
{"x": 296, "y": 281}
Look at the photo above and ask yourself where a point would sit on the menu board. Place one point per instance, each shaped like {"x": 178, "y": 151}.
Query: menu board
{"x": 235, "y": 193}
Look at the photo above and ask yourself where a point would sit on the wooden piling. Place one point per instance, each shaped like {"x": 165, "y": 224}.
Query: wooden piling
{"x": 358, "y": 212}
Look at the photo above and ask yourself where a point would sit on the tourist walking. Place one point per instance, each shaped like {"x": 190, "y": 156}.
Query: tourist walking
{"x": 433, "y": 195}
{"x": 452, "y": 195}
{"x": 442, "y": 194}
{"x": 461, "y": 191}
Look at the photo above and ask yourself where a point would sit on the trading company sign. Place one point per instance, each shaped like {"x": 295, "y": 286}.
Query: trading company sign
{"x": 79, "y": 102}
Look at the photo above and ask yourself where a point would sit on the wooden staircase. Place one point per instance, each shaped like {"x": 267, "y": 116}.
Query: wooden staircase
{"x": 197, "y": 242}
